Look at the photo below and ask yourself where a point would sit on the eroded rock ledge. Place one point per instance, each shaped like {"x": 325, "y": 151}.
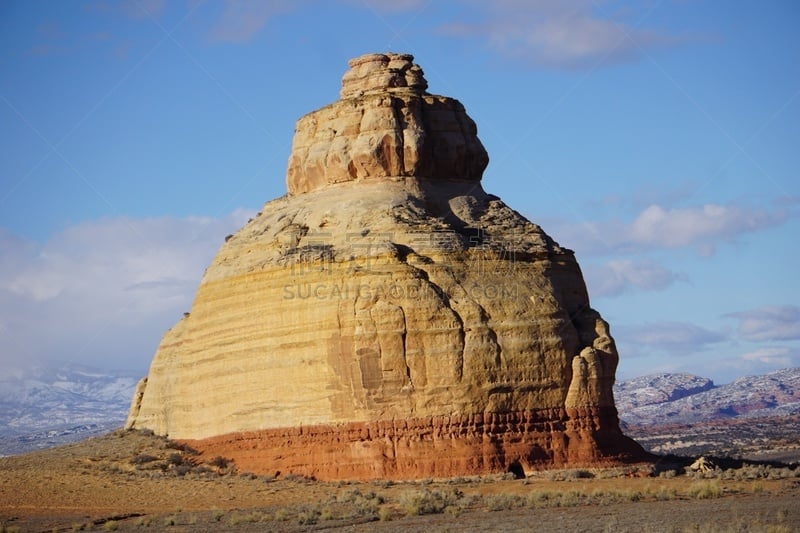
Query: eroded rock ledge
{"x": 439, "y": 446}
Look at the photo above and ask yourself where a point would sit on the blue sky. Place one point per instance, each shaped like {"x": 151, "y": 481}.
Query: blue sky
{"x": 659, "y": 140}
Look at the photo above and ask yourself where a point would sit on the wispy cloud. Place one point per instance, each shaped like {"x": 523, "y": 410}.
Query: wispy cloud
{"x": 104, "y": 290}
{"x": 564, "y": 34}
{"x": 769, "y": 323}
{"x": 619, "y": 276}
{"x": 389, "y": 6}
{"x": 241, "y": 20}
{"x": 760, "y": 361}
{"x": 673, "y": 338}
{"x": 142, "y": 9}
{"x": 773, "y": 357}
{"x": 657, "y": 227}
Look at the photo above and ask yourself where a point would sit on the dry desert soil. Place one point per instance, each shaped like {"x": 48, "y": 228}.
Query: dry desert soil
{"x": 135, "y": 481}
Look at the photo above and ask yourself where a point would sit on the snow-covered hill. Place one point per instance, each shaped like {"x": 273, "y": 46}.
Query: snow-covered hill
{"x": 45, "y": 407}
{"x": 664, "y": 399}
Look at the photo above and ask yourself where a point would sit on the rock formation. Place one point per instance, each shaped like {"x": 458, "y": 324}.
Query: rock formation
{"x": 388, "y": 318}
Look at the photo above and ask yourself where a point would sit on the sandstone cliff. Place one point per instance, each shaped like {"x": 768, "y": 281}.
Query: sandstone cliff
{"x": 389, "y": 318}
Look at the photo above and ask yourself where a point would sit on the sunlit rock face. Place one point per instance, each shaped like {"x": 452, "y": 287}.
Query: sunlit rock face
{"x": 385, "y": 125}
{"x": 388, "y": 318}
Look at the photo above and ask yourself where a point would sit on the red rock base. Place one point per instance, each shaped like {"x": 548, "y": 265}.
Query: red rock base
{"x": 441, "y": 446}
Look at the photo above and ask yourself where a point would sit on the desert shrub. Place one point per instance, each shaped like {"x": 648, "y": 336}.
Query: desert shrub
{"x": 308, "y": 517}
{"x": 348, "y": 496}
{"x": 182, "y": 470}
{"x": 219, "y": 462}
{"x": 111, "y": 525}
{"x": 170, "y": 521}
{"x": 174, "y": 459}
{"x": 549, "y": 498}
{"x": 780, "y": 473}
{"x": 202, "y": 469}
{"x": 541, "y": 498}
{"x": 365, "y": 504}
{"x": 385, "y": 514}
{"x": 281, "y": 515}
{"x": 632, "y": 495}
{"x": 143, "y": 458}
{"x": 705, "y": 490}
{"x": 502, "y": 502}
{"x": 666, "y": 494}
{"x": 569, "y": 475}
{"x": 241, "y": 518}
{"x": 578, "y": 474}
{"x": 571, "y": 498}
{"x": 428, "y": 501}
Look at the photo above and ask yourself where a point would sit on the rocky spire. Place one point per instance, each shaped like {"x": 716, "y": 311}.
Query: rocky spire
{"x": 385, "y": 126}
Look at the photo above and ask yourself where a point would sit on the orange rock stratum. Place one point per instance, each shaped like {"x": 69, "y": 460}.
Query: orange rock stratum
{"x": 388, "y": 318}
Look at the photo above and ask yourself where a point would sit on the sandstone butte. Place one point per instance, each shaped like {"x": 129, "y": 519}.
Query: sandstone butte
{"x": 388, "y": 318}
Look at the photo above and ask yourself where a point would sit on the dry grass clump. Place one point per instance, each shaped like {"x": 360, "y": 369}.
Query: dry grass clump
{"x": 429, "y": 501}
{"x": 503, "y": 502}
{"x": 705, "y": 490}
{"x": 246, "y": 518}
{"x": 362, "y": 504}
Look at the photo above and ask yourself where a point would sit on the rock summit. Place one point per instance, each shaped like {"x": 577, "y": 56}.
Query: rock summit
{"x": 388, "y": 318}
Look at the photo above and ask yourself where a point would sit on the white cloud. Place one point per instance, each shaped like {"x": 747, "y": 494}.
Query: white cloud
{"x": 774, "y": 357}
{"x": 618, "y": 276}
{"x": 657, "y": 227}
{"x": 241, "y": 20}
{"x": 568, "y": 33}
{"x": 761, "y": 361}
{"x": 769, "y": 323}
{"x": 675, "y": 338}
{"x": 103, "y": 292}
{"x": 674, "y": 228}
{"x": 389, "y": 6}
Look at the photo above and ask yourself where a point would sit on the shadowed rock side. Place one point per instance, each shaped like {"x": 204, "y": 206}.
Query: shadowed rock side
{"x": 381, "y": 324}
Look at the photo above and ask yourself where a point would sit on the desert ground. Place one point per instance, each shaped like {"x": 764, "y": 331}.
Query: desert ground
{"x": 136, "y": 481}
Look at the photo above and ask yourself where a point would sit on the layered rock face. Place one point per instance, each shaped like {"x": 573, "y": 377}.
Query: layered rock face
{"x": 388, "y": 318}
{"x": 385, "y": 125}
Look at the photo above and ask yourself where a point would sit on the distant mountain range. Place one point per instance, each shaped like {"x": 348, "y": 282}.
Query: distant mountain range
{"x": 679, "y": 399}
{"x": 47, "y": 407}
